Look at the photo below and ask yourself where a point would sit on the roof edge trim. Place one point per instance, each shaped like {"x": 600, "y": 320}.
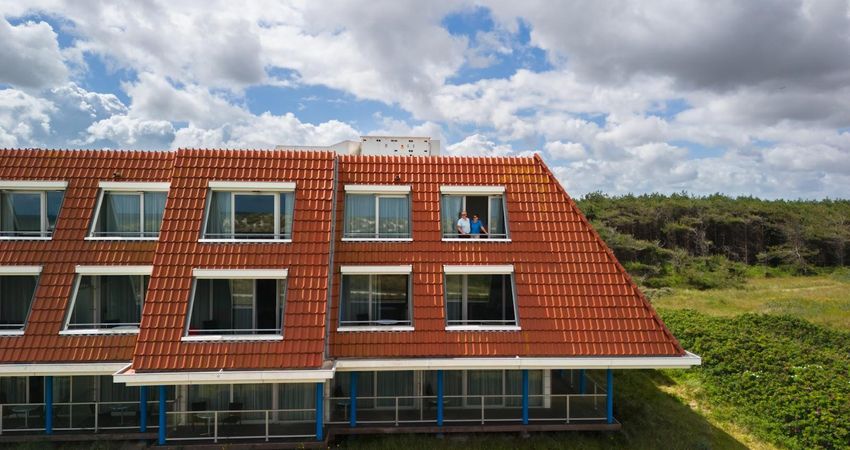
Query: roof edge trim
{"x": 114, "y": 270}
{"x": 34, "y": 184}
{"x": 602, "y": 362}
{"x": 37, "y": 369}
{"x": 376, "y": 270}
{"x": 505, "y": 269}
{"x": 134, "y": 186}
{"x": 377, "y": 188}
{"x": 490, "y": 190}
{"x": 240, "y": 273}
{"x": 131, "y": 378}
{"x": 20, "y": 270}
{"x": 281, "y": 186}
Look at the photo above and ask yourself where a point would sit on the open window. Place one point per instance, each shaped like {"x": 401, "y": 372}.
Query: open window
{"x": 28, "y": 209}
{"x": 237, "y": 304}
{"x": 377, "y": 212}
{"x": 17, "y": 290}
{"x": 473, "y": 212}
{"x": 129, "y": 210}
{"x": 480, "y": 298}
{"x": 375, "y": 298}
{"x": 107, "y": 299}
{"x": 249, "y": 211}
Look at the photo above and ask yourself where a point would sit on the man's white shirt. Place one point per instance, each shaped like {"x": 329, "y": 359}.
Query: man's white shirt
{"x": 463, "y": 224}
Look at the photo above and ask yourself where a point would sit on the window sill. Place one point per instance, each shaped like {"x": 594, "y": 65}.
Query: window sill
{"x": 244, "y": 241}
{"x": 25, "y": 238}
{"x": 120, "y": 238}
{"x": 232, "y": 337}
{"x": 373, "y": 328}
{"x": 483, "y": 328}
{"x": 99, "y": 331}
{"x": 481, "y": 240}
{"x": 11, "y": 333}
{"x": 354, "y": 239}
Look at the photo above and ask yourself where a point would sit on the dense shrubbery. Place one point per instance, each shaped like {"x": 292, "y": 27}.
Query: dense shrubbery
{"x": 706, "y": 242}
{"x": 785, "y": 379}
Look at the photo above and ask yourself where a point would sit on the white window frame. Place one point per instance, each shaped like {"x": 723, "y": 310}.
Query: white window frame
{"x": 82, "y": 271}
{"x": 125, "y": 188}
{"x": 480, "y": 270}
{"x": 370, "y": 271}
{"x": 201, "y": 274}
{"x": 380, "y": 191}
{"x": 477, "y": 191}
{"x": 248, "y": 188}
{"x": 35, "y": 187}
{"x": 21, "y": 271}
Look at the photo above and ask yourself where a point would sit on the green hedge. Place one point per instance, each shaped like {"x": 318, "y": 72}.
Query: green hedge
{"x": 786, "y": 380}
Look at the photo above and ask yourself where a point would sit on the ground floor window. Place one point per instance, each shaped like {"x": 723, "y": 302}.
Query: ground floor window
{"x": 251, "y": 397}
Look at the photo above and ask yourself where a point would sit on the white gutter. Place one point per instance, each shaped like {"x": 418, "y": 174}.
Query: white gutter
{"x": 60, "y": 369}
{"x": 624, "y": 362}
{"x": 132, "y": 378}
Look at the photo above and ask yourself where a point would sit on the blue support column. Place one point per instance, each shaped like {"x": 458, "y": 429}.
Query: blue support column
{"x": 609, "y": 393}
{"x": 48, "y": 405}
{"x": 440, "y": 398}
{"x": 162, "y": 422}
{"x": 143, "y": 409}
{"x": 525, "y": 396}
{"x": 352, "y": 390}
{"x": 320, "y": 411}
{"x": 581, "y": 383}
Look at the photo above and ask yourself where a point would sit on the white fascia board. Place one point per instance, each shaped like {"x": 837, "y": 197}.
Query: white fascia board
{"x": 34, "y": 185}
{"x": 479, "y": 190}
{"x": 624, "y": 362}
{"x": 506, "y": 269}
{"x": 245, "y": 274}
{"x": 29, "y": 369}
{"x": 282, "y": 186}
{"x": 376, "y": 189}
{"x": 20, "y": 270}
{"x": 114, "y": 270}
{"x": 376, "y": 270}
{"x": 134, "y": 186}
{"x": 131, "y": 378}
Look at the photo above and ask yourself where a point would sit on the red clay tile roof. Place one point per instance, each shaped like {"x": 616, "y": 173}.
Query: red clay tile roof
{"x": 59, "y": 256}
{"x": 574, "y": 298}
{"x": 159, "y": 347}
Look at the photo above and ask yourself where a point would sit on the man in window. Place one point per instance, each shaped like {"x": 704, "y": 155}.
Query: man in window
{"x": 476, "y": 227}
{"x": 462, "y": 226}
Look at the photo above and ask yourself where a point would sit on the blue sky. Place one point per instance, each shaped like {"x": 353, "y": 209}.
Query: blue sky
{"x": 617, "y": 97}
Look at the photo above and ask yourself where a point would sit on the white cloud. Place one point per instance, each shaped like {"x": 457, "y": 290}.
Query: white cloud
{"x": 478, "y": 145}
{"x": 131, "y": 132}
{"x": 22, "y": 118}
{"x": 30, "y": 55}
{"x": 565, "y": 150}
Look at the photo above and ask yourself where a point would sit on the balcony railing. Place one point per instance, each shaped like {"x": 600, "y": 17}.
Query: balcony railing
{"x": 242, "y": 424}
{"x": 87, "y": 416}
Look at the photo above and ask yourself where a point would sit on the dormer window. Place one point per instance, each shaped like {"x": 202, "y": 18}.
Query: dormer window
{"x": 480, "y": 298}
{"x": 107, "y": 299}
{"x": 249, "y": 211}
{"x": 377, "y": 213}
{"x": 376, "y": 298}
{"x": 28, "y": 209}
{"x": 17, "y": 289}
{"x": 129, "y": 210}
{"x": 473, "y": 212}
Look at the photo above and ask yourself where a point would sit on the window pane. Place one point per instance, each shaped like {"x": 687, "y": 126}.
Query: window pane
{"x": 394, "y": 221}
{"x": 450, "y": 213}
{"x": 359, "y": 215}
{"x": 390, "y": 299}
{"x": 243, "y": 304}
{"x": 113, "y": 301}
{"x": 154, "y": 207}
{"x": 207, "y": 397}
{"x": 489, "y": 299}
{"x": 252, "y": 396}
{"x": 497, "y": 218}
{"x": 121, "y": 214}
{"x": 454, "y": 299}
{"x": 254, "y": 216}
{"x": 83, "y": 314}
{"x": 21, "y": 215}
{"x": 218, "y": 221}
{"x": 287, "y": 206}
{"x": 395, "y": 384}
{"x": 487, "y": 383}
{"x": 54, "y": 202}
{"x": 240, "y": 306}
{"x": 355, "y": 300}
{"x": 16, "y": 294}
{"x": 117, "y": 392}
{"x": 13, "y": 390}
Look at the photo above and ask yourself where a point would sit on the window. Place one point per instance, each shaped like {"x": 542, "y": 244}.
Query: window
{"x": 485, "y": 202}
{"x": 479, "y": 299}
{"x": 28, "y": 213}
{"x": 282, "y": 398}
{"x": 16, "y": 295}
{"x": 237, "y": 306}
{"x": 377, "y": 212}
{"x": 112, "y": 303}
{"x": 380, "y": 299}
{"x": 251, "y": 214}
{"x": 130, "y": 210}
{"x": 378, "y": 389}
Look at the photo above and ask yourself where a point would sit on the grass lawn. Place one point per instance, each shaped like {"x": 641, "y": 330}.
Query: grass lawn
{"x": 822, "y": 299}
